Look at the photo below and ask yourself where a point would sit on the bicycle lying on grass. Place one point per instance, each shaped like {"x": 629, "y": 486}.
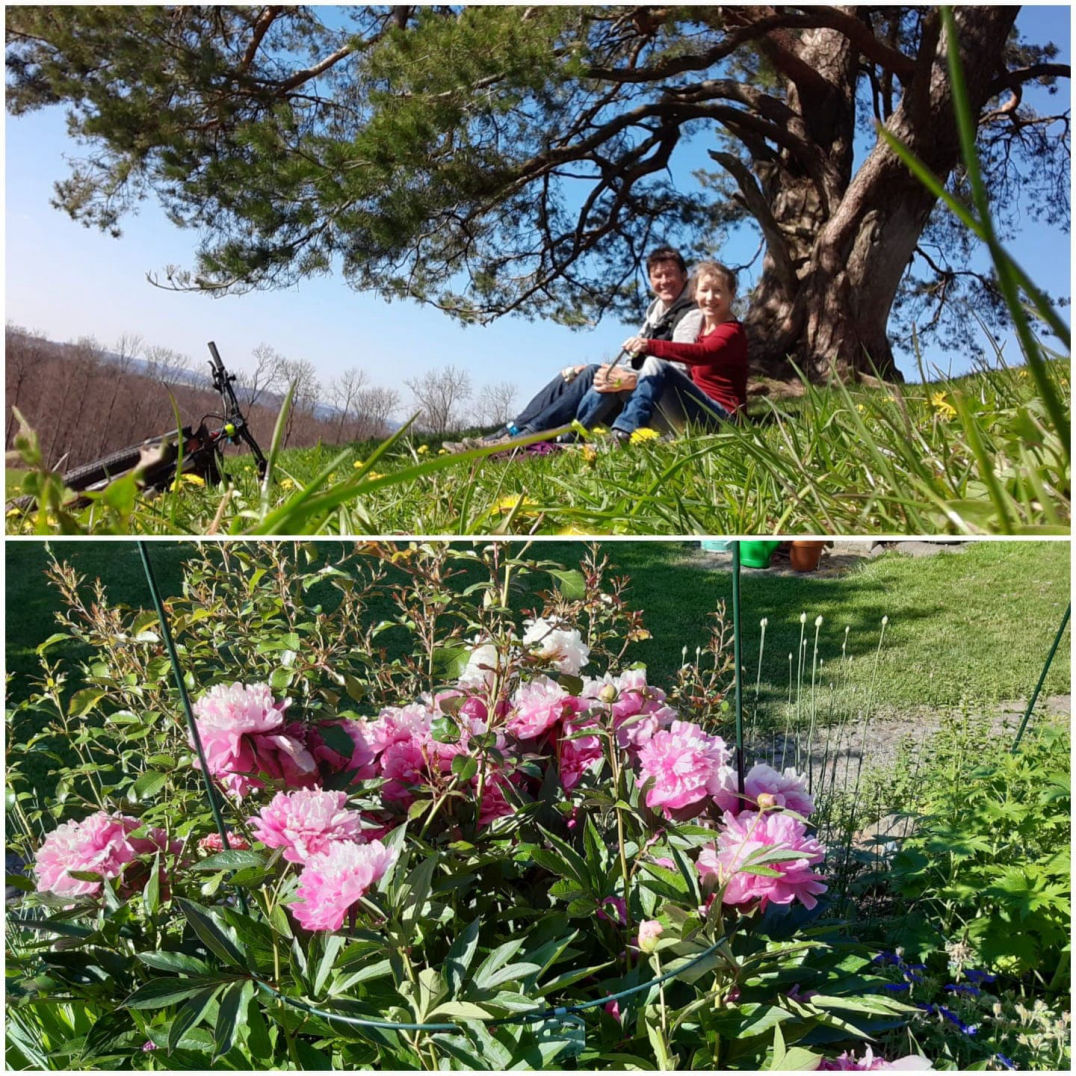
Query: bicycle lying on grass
{"x": 158, "y": 461}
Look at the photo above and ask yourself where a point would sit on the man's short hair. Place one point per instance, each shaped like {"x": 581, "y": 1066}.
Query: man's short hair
{"x": 666, "y": 254}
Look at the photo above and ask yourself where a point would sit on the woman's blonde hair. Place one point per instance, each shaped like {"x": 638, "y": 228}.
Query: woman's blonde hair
{"x": 705, "y": 269}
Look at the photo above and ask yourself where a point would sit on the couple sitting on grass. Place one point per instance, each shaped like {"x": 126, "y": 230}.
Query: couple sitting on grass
{"x": 688, "y": 327}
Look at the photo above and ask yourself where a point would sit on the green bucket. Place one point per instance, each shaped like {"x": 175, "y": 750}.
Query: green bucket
{"x": 757, "y": 554}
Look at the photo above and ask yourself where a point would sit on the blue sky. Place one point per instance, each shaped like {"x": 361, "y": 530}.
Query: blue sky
{"x": 68, "y": 281}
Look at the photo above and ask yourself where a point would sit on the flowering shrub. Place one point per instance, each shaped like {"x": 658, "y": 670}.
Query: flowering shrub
{"x": 494, "y": 846}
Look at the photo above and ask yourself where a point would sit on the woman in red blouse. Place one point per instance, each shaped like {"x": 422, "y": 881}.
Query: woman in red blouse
{"x": 717, "y": 389}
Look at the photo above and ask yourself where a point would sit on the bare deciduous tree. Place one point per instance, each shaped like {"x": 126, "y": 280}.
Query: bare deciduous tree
{"x": 343, "y": 392}
{"x": 496, "y": 403}
{"x": 373, "y": 409}
{"x": 168, "y": 366}
{"x": 266, "y": 377}
{"x": 303, "y": 379}
{"x": 437, "y": 396}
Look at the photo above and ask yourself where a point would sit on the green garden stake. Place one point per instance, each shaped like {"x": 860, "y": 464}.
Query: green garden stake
{"x": 1042, "y": 679}
{"x": 177, "y": 672}
{"x": 736, "y": 659}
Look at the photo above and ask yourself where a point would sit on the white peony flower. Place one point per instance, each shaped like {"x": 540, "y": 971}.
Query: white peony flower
{"x": 563, "y": 649}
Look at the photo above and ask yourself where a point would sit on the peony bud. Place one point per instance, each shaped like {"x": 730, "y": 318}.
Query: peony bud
{"x": 766, "y": 800}
{"x": 649, "y": 932}
{"x": 608, "y": 693}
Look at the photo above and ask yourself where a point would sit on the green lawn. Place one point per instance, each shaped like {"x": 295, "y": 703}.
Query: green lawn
{"x": 973, "y": 626}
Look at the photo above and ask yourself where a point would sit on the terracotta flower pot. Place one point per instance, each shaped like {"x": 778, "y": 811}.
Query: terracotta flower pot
{"x": 803, "y": 556}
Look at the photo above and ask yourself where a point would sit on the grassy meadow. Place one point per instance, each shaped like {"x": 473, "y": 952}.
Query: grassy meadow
{"x": 983, "y": 454}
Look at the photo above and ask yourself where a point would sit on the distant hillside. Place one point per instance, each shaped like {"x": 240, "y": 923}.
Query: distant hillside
{"x": 85, "y": 401}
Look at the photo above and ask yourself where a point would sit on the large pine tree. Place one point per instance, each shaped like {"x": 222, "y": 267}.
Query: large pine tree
{"x": 495, "y": 159}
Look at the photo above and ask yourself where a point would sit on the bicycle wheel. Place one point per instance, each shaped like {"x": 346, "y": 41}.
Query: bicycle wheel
{"x": 101, "y": 470}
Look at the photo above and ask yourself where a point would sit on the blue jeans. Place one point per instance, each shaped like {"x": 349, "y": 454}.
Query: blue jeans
{"x": 596, "y": 408}
{"x": 556, "y": 403}
{"x": 680, "y": 401}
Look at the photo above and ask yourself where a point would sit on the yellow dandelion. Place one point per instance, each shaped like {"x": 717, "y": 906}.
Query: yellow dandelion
{"x": 942, "y": 406}
{"x": 357, "y": 464}
{"x": 287, "y": 483}
{"x": 188, "y": 479}
{"x": 590, "y": 454}
{"x": 1022, "y": 372}
{"x": 442, "y": 451}
{"x": 861, "y": 409}
{"x": 374, "y": 474}
{"x": 600, "y": 431}
{"x": 422, "y": 449}
{"x": 643, "y": 434}
{"x": 524, "y": 505}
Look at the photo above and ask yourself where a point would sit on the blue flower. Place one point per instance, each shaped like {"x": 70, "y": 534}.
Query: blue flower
{"x": 954, "y": 1019}
{"x": 886, "y": 958}
{"x": 963, "y": 988}
{"x": 897, "y": 986}
{"x": 977, "y": 976}
{"x": 1004, "y": 1060}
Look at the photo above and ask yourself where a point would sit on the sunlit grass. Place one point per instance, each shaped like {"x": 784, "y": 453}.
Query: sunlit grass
{"x": 975, "y": 455}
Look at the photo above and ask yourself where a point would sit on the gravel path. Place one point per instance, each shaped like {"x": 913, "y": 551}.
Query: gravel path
{"x": 885, "y": 734}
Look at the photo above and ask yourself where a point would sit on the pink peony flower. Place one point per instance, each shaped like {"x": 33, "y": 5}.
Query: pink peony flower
{"x": 563, "y": 648}
{"x": 687, "y": 766}
{"x": 330, "y": 761}
{"x": 869, "y": 1063}
{"x": 747, "y": 834}
{"x": 100, "y": 843}
{"x": 403, "y": 763}
{"x": 537, "y": 706}
{"x": 635, "y": 695}
{"x": 334, "y": 880}
{"x": 617, "y": 913}
{"x": 211, "y": 842}
{"x": 579, "y": 752}
{"x": 495, "y": 803}
{"x": 306, "y": 822}
{"x": 788, "y": 789}
{"x": 243, "y": 735}
{"x": 398, "y": 723}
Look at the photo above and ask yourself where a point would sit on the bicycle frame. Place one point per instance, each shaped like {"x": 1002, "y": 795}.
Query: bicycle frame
{"x": 222, "y": 382}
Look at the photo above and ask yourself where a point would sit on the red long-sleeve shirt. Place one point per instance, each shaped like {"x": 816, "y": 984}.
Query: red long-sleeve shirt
{"x": 718, "y": 362}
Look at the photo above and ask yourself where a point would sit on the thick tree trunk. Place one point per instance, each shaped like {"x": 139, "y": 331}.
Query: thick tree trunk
{"x": 847, "y": 257}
